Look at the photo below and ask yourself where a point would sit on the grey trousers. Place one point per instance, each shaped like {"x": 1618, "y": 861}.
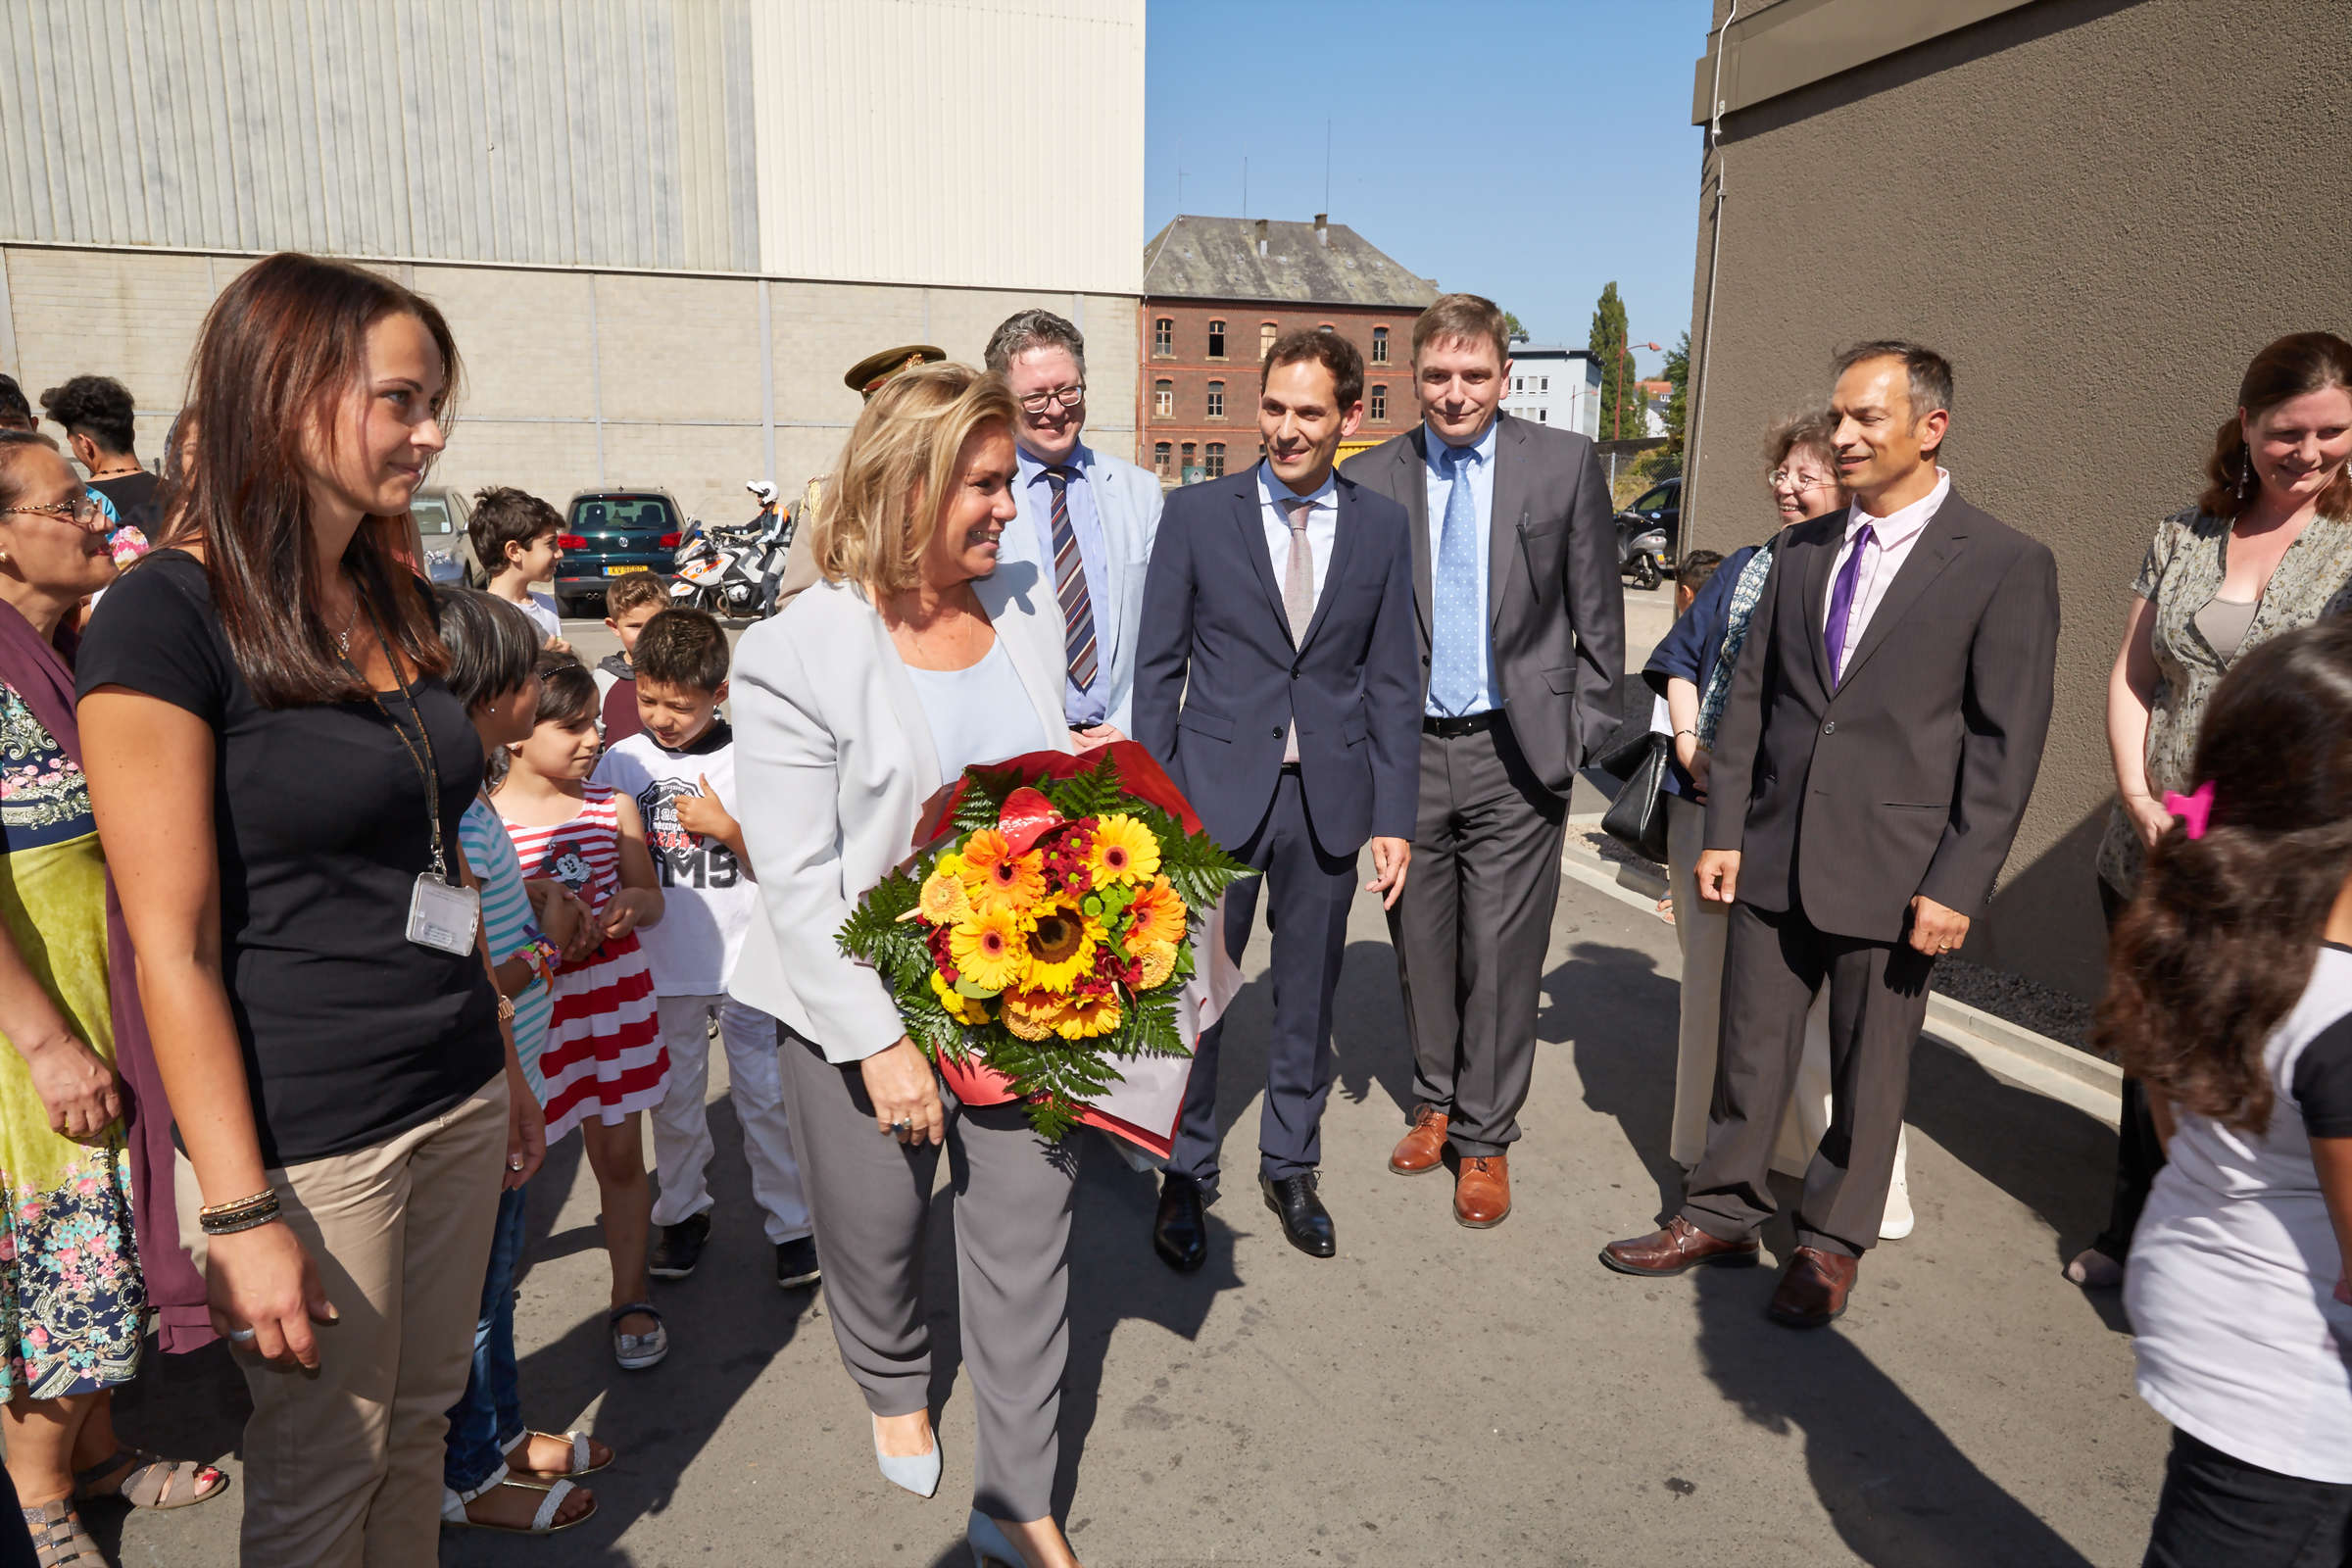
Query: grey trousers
{"x": 1878, "y": 1000}
{"x": 1471, "y": 931}
{"x": 870, "y": 1196}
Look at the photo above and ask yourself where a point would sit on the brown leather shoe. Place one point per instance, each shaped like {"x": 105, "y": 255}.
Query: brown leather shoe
{"x": 1424, "y": 1148}
{"x": 1680, "y": 1246}
{"x": 1812, "y": 1293}
{"x": 1482, "y": 1190}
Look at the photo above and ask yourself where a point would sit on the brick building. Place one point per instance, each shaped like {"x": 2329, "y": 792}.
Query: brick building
{"x": 1218, "y": 291}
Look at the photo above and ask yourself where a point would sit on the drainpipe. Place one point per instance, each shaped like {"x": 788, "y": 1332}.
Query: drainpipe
{"x": 1706, "y": 327}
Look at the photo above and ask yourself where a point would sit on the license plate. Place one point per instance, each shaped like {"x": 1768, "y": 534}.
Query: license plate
{"x": 623, "y": 571}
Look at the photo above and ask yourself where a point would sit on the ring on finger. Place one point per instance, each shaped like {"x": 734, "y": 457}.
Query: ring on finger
{"x": 243, "y": 1336}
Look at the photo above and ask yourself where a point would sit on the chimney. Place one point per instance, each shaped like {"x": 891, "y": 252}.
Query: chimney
{"x": 1323, "y": 229}
{"x": 1262, "y": 236}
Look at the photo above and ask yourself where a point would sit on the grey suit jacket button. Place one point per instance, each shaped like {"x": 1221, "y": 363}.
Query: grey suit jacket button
{"x": 1831, "y": 728}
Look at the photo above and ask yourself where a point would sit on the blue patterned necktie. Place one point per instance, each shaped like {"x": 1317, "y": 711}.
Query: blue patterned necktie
{"x": 1456, "y": 650}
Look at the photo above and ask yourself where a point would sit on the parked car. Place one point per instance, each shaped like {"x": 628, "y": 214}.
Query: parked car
{"x": 440, "y": 517}
{"x": 608, "y": 534}
{"x": 1649, "y": 533}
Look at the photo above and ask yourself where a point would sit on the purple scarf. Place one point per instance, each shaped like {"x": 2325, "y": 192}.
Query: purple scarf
{"x": 39, "y": 674}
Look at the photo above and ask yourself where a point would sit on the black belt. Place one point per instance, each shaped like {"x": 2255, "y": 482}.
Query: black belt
{"x": 1451, "y": 729}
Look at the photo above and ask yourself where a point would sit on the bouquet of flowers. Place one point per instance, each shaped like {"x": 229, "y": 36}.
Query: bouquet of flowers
{"x": 1046, "y": 929}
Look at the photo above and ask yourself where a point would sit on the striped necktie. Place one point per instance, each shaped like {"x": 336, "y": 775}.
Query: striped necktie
{"x": 1069, "y": 582}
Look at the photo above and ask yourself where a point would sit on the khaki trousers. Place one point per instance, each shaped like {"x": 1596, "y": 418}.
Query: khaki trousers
{"x": 343, "y": 1465}
{"x": 1701, "y": 929}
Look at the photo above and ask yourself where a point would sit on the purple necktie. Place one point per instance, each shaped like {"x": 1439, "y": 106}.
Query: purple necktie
{"x": 1841, "y": 606}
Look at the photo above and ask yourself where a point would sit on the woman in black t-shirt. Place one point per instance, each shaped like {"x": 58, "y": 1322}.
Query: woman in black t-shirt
{"x": 322, "y": 1011}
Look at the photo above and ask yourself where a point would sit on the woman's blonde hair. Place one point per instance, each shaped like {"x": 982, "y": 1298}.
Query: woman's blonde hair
{"x": 877, "y": 514}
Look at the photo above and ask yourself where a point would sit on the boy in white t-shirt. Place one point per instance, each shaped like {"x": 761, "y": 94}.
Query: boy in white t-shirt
{"x": 513, "y": 536}
{"x": 680, "y": 769}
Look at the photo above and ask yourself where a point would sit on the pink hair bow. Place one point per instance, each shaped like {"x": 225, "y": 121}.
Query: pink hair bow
{"x": 2195, "y": 809}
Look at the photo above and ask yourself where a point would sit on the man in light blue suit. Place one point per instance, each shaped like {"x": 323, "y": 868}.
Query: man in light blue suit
{"x": 1087, "y": 520}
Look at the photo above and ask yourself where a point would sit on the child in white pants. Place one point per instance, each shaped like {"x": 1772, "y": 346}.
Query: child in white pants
{"x": 682, "y": 1145}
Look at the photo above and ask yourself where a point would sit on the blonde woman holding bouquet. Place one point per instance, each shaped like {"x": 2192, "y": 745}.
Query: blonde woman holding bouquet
{"x": 914, "y": 658}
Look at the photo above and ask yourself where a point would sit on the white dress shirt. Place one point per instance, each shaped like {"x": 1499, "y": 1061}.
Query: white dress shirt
{"x": 1890, "y": 542}
{"x": 1322, "y": 523}
{"x": 1480, "y": 470}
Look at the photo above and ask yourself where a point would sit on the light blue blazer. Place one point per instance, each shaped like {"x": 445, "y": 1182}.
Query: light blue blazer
{"x": 1127, "y": 499}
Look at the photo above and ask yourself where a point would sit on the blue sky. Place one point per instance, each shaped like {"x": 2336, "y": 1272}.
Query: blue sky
{"x": 1528, "y": 150}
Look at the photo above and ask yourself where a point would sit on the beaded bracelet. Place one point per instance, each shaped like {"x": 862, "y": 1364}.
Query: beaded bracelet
{"x": 541, "y": 957}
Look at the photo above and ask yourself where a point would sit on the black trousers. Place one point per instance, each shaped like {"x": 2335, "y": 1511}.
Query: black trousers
{"x": 1307, "y": 893}
{"x": 1773, "y": 964}
{"x": 2222, "y": 1512}
{"x": 2138, "y": 1155}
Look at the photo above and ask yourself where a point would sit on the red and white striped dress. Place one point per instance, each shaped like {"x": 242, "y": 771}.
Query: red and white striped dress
{"x": 603, "y": 1055}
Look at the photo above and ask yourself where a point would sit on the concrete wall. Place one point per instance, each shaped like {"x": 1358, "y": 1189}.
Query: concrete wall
{"x": 574, "y": 378}
{"x": 2100, "y": 209}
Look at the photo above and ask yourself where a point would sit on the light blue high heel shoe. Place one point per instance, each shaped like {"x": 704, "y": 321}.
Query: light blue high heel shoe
{"x": 919, "y": 1474}
{"x": 990, "y": 1549}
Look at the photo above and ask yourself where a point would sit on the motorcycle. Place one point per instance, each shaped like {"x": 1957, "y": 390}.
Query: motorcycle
{"x": 1641, "y": 549}
{"x": 733, "y": 572}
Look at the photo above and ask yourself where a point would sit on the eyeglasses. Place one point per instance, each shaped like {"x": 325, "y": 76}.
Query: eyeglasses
{"x": 84, "y": 514}
{"x": 1780, "y": 478}
{"x": 1069, "y": 396}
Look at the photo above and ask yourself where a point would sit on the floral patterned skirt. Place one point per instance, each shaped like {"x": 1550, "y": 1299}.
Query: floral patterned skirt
{"x": 75, "y": 1305}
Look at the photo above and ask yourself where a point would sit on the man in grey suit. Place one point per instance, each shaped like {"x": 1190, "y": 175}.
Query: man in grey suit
{"x": 1522, "y": 642}
{"x": 1883, "y": 733}
{"x": 1087, "y": 519}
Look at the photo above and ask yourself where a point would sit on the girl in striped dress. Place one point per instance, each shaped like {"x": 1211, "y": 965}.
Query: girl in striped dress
{"x": 603, "y": 1061}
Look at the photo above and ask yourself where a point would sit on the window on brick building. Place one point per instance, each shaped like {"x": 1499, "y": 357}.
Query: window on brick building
{"x": 1164, "y": 337}
{"x": 1216, "y": 340}
{"x": 1380, "y": 345}
{"x": 1379, "y": 403}
{"x": 1214, "y": 468}
{"x": 1160, "y": 452}
{"x": 1216, "y": 400}
{"x": 1189, "y": 450}
{"x": 1163, "y": 397}
{"x": 1265, "y": 338}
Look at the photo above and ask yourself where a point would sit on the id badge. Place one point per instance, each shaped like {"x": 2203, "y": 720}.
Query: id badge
{"x": 442, "y": 918}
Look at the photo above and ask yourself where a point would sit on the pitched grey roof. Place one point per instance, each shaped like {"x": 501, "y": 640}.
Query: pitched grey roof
{"x": 1217, "y": 258}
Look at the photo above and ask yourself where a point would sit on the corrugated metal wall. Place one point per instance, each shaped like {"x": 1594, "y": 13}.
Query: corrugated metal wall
{"x": 882, "y": 140}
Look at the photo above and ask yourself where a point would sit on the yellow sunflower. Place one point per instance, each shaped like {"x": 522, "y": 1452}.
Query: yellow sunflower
{"x": 988, "y": 949}
{"x": 1159, "y": 960}
{"x": 960, "y": 1007}
{"x": 1062, "y": 946}
{"x": 1032, "y": 1014}
{"x": 944, "y": 900}
{"x": 1157, "y": 916}
{"x": 1085, "y": 1018}
{"x": 1123, "y": 851}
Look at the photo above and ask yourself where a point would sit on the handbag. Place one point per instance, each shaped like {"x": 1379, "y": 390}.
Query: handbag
{"x": 1636, "y": 817}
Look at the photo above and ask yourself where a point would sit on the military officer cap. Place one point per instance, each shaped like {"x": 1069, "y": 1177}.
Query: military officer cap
{"x": 875, "y": 368}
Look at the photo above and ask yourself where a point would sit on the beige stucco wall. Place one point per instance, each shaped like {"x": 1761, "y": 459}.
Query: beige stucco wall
{"x": 2099, "y": 210}
{"x": 670, "y": 364}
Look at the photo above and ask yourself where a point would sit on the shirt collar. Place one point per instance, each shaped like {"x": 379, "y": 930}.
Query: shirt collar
{"x": 1906, "y": 522}
{"x": 1481, "y": 449}
{"x": 1271, "y": 490}
{"x": 1033, "y": 468}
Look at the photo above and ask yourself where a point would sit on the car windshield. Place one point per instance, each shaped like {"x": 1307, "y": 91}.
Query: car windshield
{"x": 431, "y": 514}
{"x": 1657, "y": 499}
{"x": 621, "y": 515}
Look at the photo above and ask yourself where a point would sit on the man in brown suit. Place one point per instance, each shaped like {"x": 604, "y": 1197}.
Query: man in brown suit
{"x": 1885, "y": 726}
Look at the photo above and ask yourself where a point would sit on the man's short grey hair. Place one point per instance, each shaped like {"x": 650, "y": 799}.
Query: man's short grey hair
{"x": 1930, "y": 372}
{"x": 1024, "y": 330}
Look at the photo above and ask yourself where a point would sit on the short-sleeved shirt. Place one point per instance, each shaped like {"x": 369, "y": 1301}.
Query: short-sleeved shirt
{"x": 352, "y": 1033}
{"x": 2240, "y": 1338}
{"x": 509, "y": 926}
{"x": 708, "y": 898}
{"x": 2182, "y": 572}
{"x": 138, "y": 500}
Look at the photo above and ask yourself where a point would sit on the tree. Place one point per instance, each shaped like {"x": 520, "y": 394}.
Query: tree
{"x": 1511, "y": 322}
{"x": 1677, "y": 372}
{"x": 1621, "y": 407}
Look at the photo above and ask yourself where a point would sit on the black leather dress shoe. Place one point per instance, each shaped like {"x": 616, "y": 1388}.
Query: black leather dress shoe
{"x": 1179, "y": 1231}
{"x": 1305, "y": 1219}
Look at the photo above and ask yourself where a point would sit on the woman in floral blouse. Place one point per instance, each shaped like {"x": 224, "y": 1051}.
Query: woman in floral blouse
{"x": 73, "y": 1302}
{"x": 2266, "y": 548}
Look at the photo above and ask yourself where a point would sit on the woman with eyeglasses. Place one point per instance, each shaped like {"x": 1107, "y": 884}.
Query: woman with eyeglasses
{"x": 1692, "y": 670}
{"x": 72, "y": 1296}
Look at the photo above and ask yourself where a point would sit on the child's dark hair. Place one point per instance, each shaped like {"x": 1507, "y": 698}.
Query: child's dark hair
{"x": 503, "y": 515}
{"x": 681, "y": 647}
{"x": 567, "y": 695}
{"x": 630, "y": 589}
{"x": 493, "y": 645}
{"x": 2219, "y": 944}
{"x": 1696, "y": 568}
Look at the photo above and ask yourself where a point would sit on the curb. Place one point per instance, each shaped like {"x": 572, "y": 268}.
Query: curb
{"x": 2008, "y": 1050}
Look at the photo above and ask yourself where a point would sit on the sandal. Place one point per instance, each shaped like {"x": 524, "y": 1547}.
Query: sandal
{"x": 543, "y": 1520}
{"x": 580, "y": 1455}
{"x": 148, "y": 1479}
{"x": 58, "y": 1539}
{"x": 637, "y": 1351}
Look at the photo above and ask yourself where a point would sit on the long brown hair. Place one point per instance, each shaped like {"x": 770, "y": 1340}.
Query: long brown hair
{"x": 282, "y": 349}
{"x": 2217, "y": 946}
{"x": 2297, "y": 364}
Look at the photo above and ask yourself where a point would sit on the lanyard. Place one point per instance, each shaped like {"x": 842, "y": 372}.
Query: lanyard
{"x": 426, "y": 766}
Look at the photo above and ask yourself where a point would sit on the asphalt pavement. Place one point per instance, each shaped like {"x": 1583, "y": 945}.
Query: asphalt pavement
{"x": 1432, "y": 1393}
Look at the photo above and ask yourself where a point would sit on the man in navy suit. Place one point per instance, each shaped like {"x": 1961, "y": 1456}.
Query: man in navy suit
{"x": 1278, "y": 678}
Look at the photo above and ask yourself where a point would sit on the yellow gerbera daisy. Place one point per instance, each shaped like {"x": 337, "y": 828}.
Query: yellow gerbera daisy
{"x": 1158, "y": 961}
{"x": 1062, "y": 946}
{"x": 1032, "y": 1014}
{"x": 1123, "y": 851}
{"x": 988, "y": 949}
{"x": 1085, "y": 1018}
{"x": 1157, "y": 916}
{"x": 944, "y": 900}
{"x": 960, "y": 1007}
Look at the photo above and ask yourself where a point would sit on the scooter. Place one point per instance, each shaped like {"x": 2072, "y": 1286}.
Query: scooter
{"x": 1641, "y": 550}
